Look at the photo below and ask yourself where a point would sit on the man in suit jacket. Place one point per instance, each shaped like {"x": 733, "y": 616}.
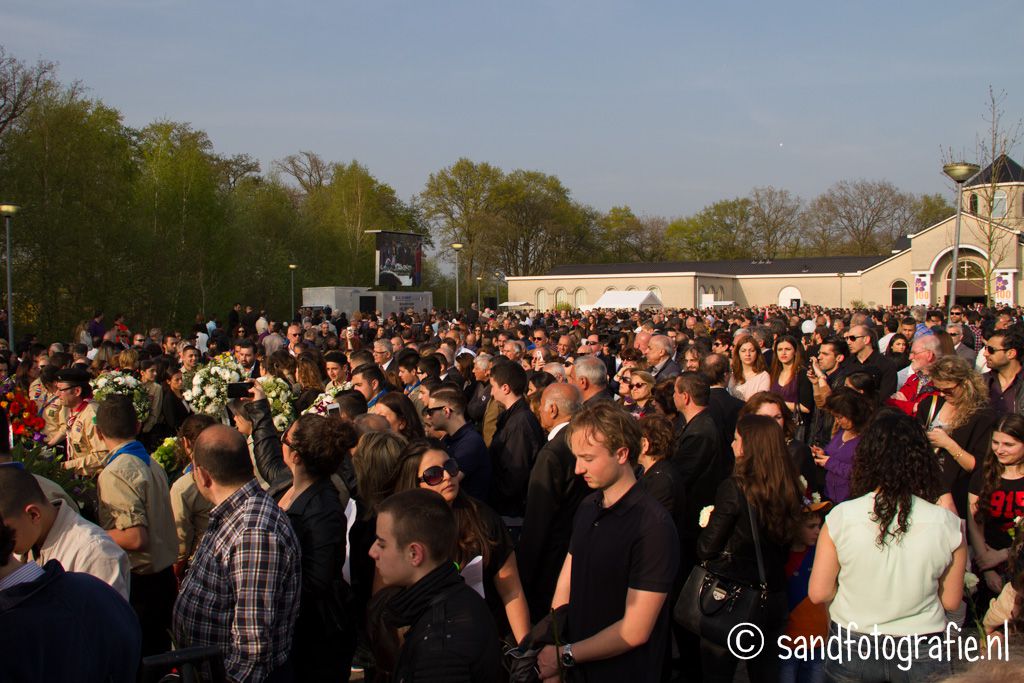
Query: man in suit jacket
{"x": 723, "y": 406}
{"x": 660, "y": 352}
{"x": 554, "y": 493}
{"x": 956, "y": 331}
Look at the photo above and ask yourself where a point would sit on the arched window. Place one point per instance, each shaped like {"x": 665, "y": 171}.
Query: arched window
{"x": 542, "y": 300}
{"x": 898, "y": 293}
{"x": 656, "y": 290}
{"x": 972, "y": 203}
{"x": 579, "y": 297}
{"x": 788, "y": 295}
{"x": 609, "y": 289}
{"x": 999, "y": 204}
{"x": 721, "y": 294}
{"x": 631, "y": 288}
{"x": 560, "y": 297}
{"x": 967, "y": 269}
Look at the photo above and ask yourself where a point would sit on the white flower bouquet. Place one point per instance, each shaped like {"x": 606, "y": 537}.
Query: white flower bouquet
{"x": 705, "y": 515}
{"x": 319, "y": 406}
{"x": 126, "y": 384}
{"x": 208, "y": 394}
{"x": 279, "y": 395}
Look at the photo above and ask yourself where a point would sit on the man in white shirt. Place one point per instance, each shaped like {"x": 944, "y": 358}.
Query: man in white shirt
{"x": 45, "y": 531}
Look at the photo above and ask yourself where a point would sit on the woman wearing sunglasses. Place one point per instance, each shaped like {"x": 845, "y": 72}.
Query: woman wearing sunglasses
{"x": 959, "y": 423}
{"x": 641, "y": 390}
{"x": 425, "y": 464}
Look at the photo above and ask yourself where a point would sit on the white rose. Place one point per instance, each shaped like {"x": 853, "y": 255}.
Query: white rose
{"x": 211, "y": 392}
{"x": 803, "y": 483}
{"x": 970, "y": 582}
{"x": 705, "y": 516}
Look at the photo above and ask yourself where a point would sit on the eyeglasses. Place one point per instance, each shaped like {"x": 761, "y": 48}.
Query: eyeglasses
{"x": 285, "y": 441}
{"x": 637, "y": 386}
{"x": 992, "y": 349}
{"x": 60, "y": 389}
{"x": 427, "y": 412}
{"x": 538, "y": 339}
{"x": 854, "y": 337}
{"x": 949, "y": 391}
{"x": 432, "y": 476}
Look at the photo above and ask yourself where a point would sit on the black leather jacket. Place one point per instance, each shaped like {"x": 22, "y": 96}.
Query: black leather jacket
{"x": 727, "y": 544}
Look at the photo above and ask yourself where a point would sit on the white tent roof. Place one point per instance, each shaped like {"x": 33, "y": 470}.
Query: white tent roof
{"x": 636, "y": 299}
{"x": 515, "y": 304}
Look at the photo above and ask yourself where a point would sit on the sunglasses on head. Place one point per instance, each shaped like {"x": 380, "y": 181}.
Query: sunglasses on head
{"x": 432, "y": 476}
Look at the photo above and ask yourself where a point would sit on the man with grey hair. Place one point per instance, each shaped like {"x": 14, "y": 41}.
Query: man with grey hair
{"x": 660, "y": 354}
{"x": 956, "y": 332}
{"x": 914, "y": 380}
{"x": 556, "y": 370}
{"x": 383, "y": 354}
{"x": 477, "y": 406}
{"x": 591, "y": 376}
{"x": 554, "y": 493}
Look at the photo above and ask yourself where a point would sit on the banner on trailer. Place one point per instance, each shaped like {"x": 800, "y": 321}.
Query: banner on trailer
{"x": 399, "y": 259}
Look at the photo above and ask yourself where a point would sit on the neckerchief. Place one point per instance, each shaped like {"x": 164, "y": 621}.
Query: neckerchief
{"x": 132, "y": 448}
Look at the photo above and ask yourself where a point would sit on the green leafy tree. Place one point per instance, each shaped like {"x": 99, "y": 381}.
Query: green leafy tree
{"x": 719, "y": 231}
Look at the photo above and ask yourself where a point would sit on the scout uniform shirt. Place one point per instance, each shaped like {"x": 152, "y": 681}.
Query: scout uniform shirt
{"x": 86, "y": 451}
{"x": 54, "y": 425}
{"x": 133, "y": 491}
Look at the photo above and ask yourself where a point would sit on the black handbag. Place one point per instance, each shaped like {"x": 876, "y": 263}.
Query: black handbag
{"x": 711, "y": 605}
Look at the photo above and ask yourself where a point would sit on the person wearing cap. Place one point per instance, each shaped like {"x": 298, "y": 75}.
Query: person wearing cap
{"x": 86, "y": 452}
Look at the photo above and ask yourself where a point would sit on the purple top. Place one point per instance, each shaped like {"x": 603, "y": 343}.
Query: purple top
{"x": 788, "y": 392}
{"x": 839, "y": 467}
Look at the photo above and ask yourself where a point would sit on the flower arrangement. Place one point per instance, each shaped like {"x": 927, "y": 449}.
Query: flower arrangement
{"x": 126, "y": 384}
{"x": 279, "y": 394}
{"x": 167, "y": 454}
{"x": 319, "y": 406}
{"x": 26, "y": 424}
{"x": 705, "y": 515}
{"x": 208, "y": 394}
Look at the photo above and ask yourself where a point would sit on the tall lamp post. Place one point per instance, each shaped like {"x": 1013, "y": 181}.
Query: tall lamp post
{"x": 840, "y": 276}
{"x": 292, "y": 267}
{"x": 456, "y": 247}
{"x": 958, "y": 172}
{"x": 479, "y": 278}
{"x": 8, "y": 211}
{"x": 497, "y": 287}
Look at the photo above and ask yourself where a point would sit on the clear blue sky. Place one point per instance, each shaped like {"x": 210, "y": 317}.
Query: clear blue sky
{"x": 665, "y": 106}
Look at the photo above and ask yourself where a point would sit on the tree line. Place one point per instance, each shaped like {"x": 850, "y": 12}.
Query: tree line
{"x": 155, "y": 223}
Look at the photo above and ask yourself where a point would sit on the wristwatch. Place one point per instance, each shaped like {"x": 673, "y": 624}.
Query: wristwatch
{"x": 568, "y": 661}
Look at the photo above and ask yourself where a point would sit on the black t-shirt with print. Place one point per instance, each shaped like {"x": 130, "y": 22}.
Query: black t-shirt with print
{"x": 1005, "y": 504}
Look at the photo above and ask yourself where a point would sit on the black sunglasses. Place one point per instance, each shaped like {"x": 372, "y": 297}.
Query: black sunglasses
{"x": 430, "y": 411}
{"x": 432, "y": 476}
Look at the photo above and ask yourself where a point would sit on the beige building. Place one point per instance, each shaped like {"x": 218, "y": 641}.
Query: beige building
{"x": 916, "y": 272}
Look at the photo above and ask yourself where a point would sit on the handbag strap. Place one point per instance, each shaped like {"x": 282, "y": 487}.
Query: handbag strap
{"x": 757, "y": 544}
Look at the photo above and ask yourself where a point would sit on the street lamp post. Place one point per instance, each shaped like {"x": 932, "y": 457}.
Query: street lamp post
{"x": 840, "y": 276}
{"x": 958, "y": 172}
{"x": 478, "y": 279}
{"x": 292, "y": 267}
{"x": 8, "y": 211}
{"x": 456, "y": 247}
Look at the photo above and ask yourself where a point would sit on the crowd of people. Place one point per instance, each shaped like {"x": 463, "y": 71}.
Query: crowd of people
{"x": 487, "y": 494}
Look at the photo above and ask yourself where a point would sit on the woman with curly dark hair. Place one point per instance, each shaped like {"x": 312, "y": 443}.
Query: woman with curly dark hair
{"x": 425, "y": 464}
{"x": 996, "y": 499}
{"x": 890, "y": 533}
{"x": 764, "y": 480}
{"x": 959, "y": 423}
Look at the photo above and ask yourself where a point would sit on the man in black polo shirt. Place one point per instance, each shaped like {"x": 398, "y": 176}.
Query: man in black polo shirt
{"x": 515, "y": 444}
{"x": 622, "y": 561}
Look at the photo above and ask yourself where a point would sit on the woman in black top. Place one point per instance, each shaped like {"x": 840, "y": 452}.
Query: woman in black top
{"x": 659, "y": 478}
{"x": 425, "y": 464}
{"x": 764, "y": 479}
{"x": 299, "y": 466}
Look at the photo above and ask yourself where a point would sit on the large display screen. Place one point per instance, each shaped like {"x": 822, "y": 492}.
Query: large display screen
{"x": 399, "y": 259}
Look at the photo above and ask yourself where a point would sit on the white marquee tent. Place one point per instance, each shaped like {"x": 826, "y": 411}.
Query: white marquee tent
{"x": 635, "y": 299}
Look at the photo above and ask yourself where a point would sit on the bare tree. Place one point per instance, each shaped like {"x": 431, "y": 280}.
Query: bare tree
{"x": 869, "y": 214}
{"x": 986, "y": 203}
{"x": 308, "y": 169}
{"x": 20, "y": 84}
{"x": 774, "y": 216}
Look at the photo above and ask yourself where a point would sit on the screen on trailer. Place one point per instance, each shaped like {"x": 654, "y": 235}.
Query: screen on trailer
{"x": 399, "y": 259}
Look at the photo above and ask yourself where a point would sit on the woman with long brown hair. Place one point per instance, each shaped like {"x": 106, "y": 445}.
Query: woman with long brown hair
{"x": 996, "y": 500}
{"x": 749, "y": 372}
{"x": 789, "y": 377}
{"x": 959, "y": 423}
{"x": 765, "y": 482}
